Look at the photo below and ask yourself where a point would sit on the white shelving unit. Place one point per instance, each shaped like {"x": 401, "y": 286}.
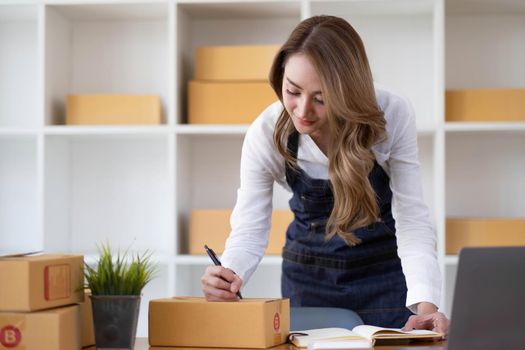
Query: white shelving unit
{"x": 485, "y": 165}
{"x": 67, "y": 188}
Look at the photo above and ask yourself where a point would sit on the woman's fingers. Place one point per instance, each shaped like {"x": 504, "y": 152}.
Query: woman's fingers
{"x": 220, "y": 284}
{"x": 236, "y": 284}
{"x": 440, "y": 323}
{"x": 435, "y": 321}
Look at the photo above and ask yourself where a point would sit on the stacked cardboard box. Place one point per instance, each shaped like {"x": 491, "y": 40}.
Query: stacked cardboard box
{"x": 212, "y": 227}
{"x": 483, "y": 232}
{"x": 231, "y": 84}
{"x": 485, "y": 105}
{"x": 113, "y": 110}
{"x": 87, "y": 332}
{"x": 39, "y": 302}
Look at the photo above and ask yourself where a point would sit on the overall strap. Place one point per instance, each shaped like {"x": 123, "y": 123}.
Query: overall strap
{"x": 292, "y": 146}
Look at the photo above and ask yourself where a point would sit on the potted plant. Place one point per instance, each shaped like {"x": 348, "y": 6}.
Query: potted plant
{"x": 116, "y": 284}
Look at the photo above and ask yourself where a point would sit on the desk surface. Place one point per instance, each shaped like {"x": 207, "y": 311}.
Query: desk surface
{"x": 142, "y": 344}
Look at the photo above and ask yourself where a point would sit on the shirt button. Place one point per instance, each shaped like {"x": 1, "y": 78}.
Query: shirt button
{"x": 313, "y": 225}
{"x": 303, "y": 197}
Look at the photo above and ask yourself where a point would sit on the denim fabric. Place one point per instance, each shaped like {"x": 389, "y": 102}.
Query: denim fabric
{"x": 366, "y": 278}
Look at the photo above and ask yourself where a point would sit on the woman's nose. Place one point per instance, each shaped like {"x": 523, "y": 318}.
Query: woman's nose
{"x": 303, "y": 108}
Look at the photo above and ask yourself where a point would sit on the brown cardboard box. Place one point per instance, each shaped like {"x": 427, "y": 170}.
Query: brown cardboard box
{"x": 54, "y": 329}
{"x": 87, "y": 332}
{"x": 248, "y": 323}
{"x": 212, "y": 227}
{"x": 39, "y": 282}
{"x": 485, "y": 105}
{"x": 234, "y": 62}
{"x": 113, "y": 109}
{"x": 142, "y": 344}
{"x": 472, "y": 232}
{"x": 227, "y": 102}
{"x": 285, "y": 346}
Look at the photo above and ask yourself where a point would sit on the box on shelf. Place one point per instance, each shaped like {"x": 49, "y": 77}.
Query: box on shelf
{"x": 485, "y": 105}
{"x": 54, "y": 329}
{"x": 252, "y": 62}
{"x": 212, "y": 227}
{"x": 113, "y": 110}
{"x": 87, "y": 332}
{"x": 37, "y": 282}
{"x": 247, "y": 323}
{"x": 227, "y": 102}
{"x": 474, "y": 232}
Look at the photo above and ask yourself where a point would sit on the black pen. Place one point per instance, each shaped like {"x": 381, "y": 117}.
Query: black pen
{"x": 217, "y": 262}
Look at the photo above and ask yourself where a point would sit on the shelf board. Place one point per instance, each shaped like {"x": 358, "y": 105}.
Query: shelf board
{"x": 205, "y": 260}
{"x": 15, "y": 132}
{"x": 72, "y": 130}
{"x": 161, "y": 259}
{"x": 378, "y": 8}
{"x": 206, "y": 9}
{"x": 485, "y": 126}
{"x": 451, "y": 259}
{"x": 485, "y": 7}
{"x": 192, "y": 260}
{"x": 188, "y": 129}
{"x": 425, "y": 129}
{"x": 240, "y": 129}
{"x": 182, "y": 129}
{"x": 111, "y": 10}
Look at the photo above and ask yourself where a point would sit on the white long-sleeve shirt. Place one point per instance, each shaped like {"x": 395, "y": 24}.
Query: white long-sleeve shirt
{"x": 262, "y": 165}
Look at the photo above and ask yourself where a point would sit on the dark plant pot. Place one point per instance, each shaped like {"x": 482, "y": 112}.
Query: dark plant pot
{"x": 115, "y": 320}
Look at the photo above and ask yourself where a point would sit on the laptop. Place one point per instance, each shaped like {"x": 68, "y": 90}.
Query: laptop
{"x": 488, "y": 311}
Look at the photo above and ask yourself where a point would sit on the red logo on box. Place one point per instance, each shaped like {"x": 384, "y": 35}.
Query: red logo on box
{"x": 57, "y": 282}
{"x": 10, "y": 336}
{"x": 276, "y": 323}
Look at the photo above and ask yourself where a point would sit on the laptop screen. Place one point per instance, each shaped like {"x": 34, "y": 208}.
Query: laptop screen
{"x": 488, "y": 310}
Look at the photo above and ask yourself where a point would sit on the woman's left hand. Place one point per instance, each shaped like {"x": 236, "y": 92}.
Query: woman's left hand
{"x": 429, "y": 319}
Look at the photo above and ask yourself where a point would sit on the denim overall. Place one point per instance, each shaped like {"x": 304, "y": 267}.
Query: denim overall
{"x": 366, "y": 278}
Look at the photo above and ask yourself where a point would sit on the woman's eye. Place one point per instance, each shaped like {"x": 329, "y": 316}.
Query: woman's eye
{"x": 293, "y": 93}
{"x": 316, "y": 100}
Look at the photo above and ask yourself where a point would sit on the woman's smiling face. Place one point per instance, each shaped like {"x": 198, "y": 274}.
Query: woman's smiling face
{"x": 302, "y": 96}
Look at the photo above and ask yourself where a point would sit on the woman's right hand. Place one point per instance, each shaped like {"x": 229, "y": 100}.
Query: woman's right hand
{"x": 220, "y": 284}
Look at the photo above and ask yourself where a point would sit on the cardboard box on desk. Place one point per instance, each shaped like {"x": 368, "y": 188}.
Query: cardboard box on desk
{"x": 247, "y": 62}
{"x": 54, "y": 329}
{"x": 87, "y": 332}
{"x": 227, "y": 102}
{"x": 113, "y": 110}
{"x": 285, "y": 346}
{"x": 248, "y": 323}
{"x": 38, "y": 282}
{"x": 212, "y": 227}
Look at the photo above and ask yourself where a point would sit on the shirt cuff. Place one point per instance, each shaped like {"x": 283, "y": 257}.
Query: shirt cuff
{"x": 244, "y": 265}
{"x": 422, "y": 293}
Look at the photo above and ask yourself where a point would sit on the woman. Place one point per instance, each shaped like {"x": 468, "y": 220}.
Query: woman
{"x": 348, "y": 152}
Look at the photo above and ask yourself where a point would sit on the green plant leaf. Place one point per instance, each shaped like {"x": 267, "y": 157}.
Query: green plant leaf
{"x": 119, "y": 275}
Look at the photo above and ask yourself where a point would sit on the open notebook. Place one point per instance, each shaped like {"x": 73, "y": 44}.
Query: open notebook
{"x": 358, "y": 337}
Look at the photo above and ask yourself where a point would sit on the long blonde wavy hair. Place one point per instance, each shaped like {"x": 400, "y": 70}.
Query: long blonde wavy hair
{"x": 355, "y": 120}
